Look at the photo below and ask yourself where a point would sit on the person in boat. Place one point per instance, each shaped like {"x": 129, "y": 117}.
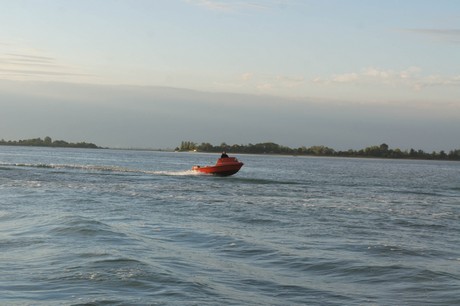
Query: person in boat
{"x": 224, "y": 155}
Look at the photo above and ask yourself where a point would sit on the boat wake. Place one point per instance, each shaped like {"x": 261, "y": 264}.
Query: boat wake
{"x": 97, "y": 168}
{"x": 173, "y": 173}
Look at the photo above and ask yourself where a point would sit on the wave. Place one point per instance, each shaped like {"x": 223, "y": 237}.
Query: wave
{"x": 264, "y": 181}
{"x": 82, "y": 226}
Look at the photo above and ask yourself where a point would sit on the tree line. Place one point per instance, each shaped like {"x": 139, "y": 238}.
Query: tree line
{"x": 380, "y": 151}
{"x": 48, "y": 142}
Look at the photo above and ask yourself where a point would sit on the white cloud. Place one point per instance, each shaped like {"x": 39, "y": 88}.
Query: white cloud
{"x": 436, "y": 80}
{"x": 289, "y": 82}
{"x": 265, "y": 87}
{"x": 251, "y": 82}
{"x": 247, "y": 76}
{"x": 448, "y": 35}
{"x": 411, "y": 77}
{"x": 268, "y": 83}
{"x": 345, "y": 78}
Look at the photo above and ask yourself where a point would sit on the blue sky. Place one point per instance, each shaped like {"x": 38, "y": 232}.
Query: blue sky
{"x": 347, "y": 74}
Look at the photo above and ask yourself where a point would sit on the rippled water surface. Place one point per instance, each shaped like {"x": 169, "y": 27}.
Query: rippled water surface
{"x": 108, "y": 227}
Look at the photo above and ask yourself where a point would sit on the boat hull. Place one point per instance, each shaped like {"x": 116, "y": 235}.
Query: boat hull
{"x": 223, "y": 167}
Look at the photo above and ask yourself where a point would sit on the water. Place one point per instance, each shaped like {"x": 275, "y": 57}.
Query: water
{"x": 108, "y": 227}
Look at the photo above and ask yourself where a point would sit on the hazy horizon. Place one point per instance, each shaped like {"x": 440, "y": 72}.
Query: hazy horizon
{"x": 160, "y": 118}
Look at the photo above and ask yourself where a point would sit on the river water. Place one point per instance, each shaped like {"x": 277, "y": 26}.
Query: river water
{"x": 115, "y": 227}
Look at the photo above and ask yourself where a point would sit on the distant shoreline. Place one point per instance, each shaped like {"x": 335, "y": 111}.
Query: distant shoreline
{"x": 269, "y": 148}
{"x": 48, "y": 142}
{"x": 382, "y": 151}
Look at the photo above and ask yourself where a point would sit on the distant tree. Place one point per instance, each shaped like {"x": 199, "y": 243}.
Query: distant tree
{"x": 397, "y": 153}
{"x": 47, "y": 142}
{"x": 60, "y": 143}
{"x": 223, "y": 146}
{"x": 442, "y": 155}
{"x": 454, "y": 155}
{"x": 205, "y": 147}
{"x": 381, "y": 151}
{"x": 187, "y": 146}
{"x": 320, "y": 151}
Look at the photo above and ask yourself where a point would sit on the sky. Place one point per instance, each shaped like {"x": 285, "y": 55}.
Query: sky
{"x": 152, "y": 73}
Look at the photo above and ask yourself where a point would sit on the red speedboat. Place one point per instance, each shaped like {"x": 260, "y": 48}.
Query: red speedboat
{"x": 224, "y": 167}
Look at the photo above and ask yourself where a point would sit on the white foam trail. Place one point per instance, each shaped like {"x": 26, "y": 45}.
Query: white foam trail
{"x": 104, "y": 169}
{"x": 173, "y": 173}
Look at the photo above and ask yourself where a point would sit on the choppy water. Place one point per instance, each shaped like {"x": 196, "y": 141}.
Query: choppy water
{"x": 107, "y": 227}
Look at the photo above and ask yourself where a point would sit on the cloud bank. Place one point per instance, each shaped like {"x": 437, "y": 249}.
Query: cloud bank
{"x": 160, "y": 117}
